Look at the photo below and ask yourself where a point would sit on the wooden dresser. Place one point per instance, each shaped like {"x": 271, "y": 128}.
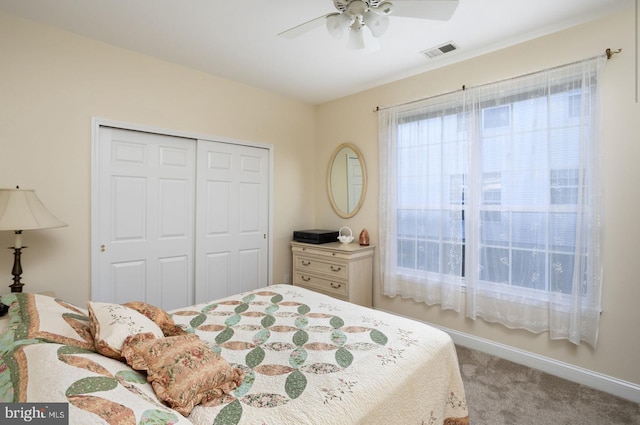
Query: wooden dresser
{"x": 341, "y": 271}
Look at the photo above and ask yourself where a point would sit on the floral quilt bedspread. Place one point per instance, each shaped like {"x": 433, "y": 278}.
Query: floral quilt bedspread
{"x": 312, "y": 359}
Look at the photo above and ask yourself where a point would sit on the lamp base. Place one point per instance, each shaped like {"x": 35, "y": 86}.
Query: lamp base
{"x": 16, "y": 286}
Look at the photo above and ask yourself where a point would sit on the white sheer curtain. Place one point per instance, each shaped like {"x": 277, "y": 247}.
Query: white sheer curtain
{"x": 423, "y": 158}
{"x": 498, "y": 188}
{"x": 534, "y": 255}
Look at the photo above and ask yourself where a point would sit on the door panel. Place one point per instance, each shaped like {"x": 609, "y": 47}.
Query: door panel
{"x": 233, "y": 190}
{"x": 217, "y": 273}
{"x": 249, "y": 217}
{"x": 173, "y": 270}
{"x": 249, "y": 269}
{"x": 217, "y": 199}
{"x": 128, "y": 209}
{"x": 146, "y": 216}
{"x": 128, "y": 279}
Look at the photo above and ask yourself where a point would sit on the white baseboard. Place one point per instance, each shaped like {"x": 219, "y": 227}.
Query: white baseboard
{"x": 599, "y": 381}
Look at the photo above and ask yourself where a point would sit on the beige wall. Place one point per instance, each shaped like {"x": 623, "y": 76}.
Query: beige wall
{"x": 52, "y": 83}
{"x": 352, "y": 119}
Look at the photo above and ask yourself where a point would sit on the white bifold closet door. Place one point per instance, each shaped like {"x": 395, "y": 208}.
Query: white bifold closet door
{"x": 177, "y": 220}
{"x": 232, "y": 218}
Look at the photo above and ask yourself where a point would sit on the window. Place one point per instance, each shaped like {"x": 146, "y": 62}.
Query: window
{"x": 491, "y": 188}
{"x": 523, "y": 241}
{"x": 563, "y": 186}
{"x": 496, "y": 117}
{"x": 496, "y": 189}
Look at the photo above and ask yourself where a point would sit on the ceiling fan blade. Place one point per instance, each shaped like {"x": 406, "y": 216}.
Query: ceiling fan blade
{"x": 438, "y": 10}
{"x": 298, "y": 30}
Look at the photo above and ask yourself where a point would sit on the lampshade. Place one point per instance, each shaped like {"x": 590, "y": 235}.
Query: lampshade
{"x": 20, "y": 209}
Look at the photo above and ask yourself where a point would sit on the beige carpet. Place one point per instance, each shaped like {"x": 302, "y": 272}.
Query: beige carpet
{"x": 500, "y": 392}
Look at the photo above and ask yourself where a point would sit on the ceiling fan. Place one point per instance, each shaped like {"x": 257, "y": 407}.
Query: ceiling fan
{"x": 355, "y": 17}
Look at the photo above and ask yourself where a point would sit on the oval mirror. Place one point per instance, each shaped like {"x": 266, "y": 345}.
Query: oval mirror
{"x": 346, "y": 180}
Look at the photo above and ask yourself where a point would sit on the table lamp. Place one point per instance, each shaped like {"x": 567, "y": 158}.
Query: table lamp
{"x": 20, "y": 209}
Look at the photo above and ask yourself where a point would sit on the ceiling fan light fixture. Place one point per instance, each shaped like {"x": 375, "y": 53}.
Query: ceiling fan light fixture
{"x": 384, "y": 8}
{"x": 337, "y": 24}
{"x": 356, "y": 39}
{"x": 376, "y": 23}
{"x": 355, "y": 17}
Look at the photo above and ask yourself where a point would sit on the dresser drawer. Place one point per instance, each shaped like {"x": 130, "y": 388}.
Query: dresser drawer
{"x": 337, "y": 288}
{"x": 306, "y": 264}
{"x": 321, "y": 251}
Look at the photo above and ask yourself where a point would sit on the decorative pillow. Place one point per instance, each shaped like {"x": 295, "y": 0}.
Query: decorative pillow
{"x": 37, "y": 316}
{"x": 112, "y": 323}
{"x": 99, "y": 390}
{"x": 159, "y": 317}
{"x": 183, "y": 370}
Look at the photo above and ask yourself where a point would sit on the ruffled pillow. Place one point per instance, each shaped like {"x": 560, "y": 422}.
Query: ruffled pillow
{"x": 158, "y": 316}
{"x": 183, "y": 370}
{"x": 112, "y": 323}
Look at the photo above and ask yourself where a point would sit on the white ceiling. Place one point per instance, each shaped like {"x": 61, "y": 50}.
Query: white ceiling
{"x": 237, "y": 39}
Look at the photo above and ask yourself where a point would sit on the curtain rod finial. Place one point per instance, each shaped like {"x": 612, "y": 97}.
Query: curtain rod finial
{"x": 610, "y": 52}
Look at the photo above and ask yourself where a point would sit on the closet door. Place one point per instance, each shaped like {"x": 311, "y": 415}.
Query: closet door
{"x": 232, "y": 219}
{"x": 154, "y": 240}
{"x": 145, "y": 218}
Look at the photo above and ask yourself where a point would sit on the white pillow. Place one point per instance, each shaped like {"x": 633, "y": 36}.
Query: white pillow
{"x": 112, "y": 323}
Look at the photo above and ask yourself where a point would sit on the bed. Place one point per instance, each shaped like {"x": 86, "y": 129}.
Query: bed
{"x": 281, "y": 355}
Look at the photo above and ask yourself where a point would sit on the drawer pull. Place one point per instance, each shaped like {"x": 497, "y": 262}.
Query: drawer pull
{"x": 305, "y": 263}
{"x": 336, "y": 285}
{"x": 305, "y": 278}
{"x": 335, "y": 269}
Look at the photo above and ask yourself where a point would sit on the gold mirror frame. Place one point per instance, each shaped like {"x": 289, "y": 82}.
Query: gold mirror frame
{"x": 339, "y": 190}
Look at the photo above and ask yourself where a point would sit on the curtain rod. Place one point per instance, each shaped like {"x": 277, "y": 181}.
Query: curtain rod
{"x": 608, "y": 53}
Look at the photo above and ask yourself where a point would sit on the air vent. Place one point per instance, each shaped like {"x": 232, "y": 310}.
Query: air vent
{"x": 440, "y": 50}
